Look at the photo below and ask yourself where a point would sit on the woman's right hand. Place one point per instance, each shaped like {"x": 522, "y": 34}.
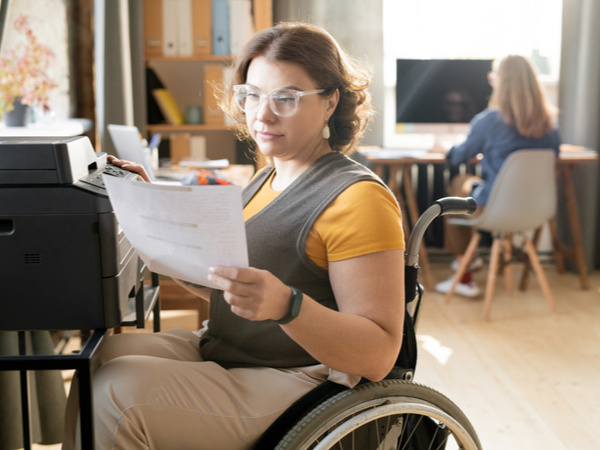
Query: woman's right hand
{"x": 130, "y": 166}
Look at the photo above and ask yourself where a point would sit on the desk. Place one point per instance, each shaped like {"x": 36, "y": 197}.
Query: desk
{"x": 69, "y": 127}
{"x": 569, "y": 157}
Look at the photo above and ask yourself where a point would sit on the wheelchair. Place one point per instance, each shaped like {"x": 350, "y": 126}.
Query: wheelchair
{"x": 394, "y": 413}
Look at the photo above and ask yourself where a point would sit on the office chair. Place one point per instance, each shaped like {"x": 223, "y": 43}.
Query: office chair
{"x": 523, "y": 198}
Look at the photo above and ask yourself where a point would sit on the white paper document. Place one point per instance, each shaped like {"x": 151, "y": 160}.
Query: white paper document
{"x": 181, "y": 231}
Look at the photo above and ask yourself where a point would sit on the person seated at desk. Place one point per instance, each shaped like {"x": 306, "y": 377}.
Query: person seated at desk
{"x": 323, "y": 298}
{"x": 518, "y": 117}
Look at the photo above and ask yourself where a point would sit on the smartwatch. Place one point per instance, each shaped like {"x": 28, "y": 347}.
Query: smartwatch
{"x": 294, "y": 309}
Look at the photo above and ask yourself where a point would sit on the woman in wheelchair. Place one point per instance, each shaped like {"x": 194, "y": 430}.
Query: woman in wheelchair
{"x": 323, "y": 298}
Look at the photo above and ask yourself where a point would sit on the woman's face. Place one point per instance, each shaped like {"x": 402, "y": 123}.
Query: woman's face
{"x": 298, "y": 135}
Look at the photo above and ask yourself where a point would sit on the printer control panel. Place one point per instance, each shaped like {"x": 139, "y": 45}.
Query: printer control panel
{"x": 94, "y": 181}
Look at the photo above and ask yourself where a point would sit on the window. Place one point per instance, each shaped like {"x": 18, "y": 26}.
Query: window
{"x": 470, "y": 29}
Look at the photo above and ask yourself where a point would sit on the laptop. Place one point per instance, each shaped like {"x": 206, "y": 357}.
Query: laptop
{"x": 128, "y": 145}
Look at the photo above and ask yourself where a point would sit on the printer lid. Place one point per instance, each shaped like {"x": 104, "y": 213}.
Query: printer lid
{"x": 46, "y": 160}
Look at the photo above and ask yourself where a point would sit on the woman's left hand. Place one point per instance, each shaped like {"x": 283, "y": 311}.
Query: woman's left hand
{"x": 252, "y": 293}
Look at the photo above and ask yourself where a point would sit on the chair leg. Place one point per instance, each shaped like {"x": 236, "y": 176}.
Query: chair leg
{"x": 558, "y": 256}
{"x": 526, "y": 271}
{"x": 466, "y": 259}
{"x": 539, "y": 272}
{"x": 491, "y": 280}
{"x": 508, "y": 278}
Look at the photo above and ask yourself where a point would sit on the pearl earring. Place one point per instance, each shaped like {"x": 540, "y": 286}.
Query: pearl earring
{"x": 326, "y": 132}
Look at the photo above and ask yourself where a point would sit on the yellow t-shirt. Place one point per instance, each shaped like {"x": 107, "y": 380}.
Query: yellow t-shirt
{"x": 363, "y": 219}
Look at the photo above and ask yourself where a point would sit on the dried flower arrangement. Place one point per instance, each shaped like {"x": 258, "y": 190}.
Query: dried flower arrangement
{"x": 23, "y": 67}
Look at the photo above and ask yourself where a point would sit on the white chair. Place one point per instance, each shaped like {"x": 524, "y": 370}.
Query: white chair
{"x": 523, "y": 198}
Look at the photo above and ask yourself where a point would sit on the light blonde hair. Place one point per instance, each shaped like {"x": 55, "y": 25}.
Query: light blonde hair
{"x": 520, "y": 99}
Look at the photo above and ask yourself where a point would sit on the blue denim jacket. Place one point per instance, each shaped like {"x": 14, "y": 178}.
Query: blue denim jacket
{"x": 490, "y": 136}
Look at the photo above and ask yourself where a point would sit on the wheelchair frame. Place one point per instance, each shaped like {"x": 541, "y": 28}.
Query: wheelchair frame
{"x": 394, "y": 413}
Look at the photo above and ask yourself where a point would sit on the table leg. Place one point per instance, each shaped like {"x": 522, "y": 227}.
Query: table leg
{"x": 25, "y": 404}
{"x": 395, "y": 188}
{"x": 86, "y": 406}
{"x": 413, "y": 211}
{"x": 575, "y": 223}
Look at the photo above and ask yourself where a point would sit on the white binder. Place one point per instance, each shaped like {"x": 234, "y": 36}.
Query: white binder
{"x": 170, "y": 33}
{"x": 184, "y": 24}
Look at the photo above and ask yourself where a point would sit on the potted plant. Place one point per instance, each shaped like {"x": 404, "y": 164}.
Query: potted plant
{"x": 24, "y": 81}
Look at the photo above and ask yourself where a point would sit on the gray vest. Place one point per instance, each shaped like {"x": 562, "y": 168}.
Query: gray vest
{"x": 276, "y": 242}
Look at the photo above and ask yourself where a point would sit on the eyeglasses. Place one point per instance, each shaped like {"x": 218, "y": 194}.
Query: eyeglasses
{"x": 282, "y": 101}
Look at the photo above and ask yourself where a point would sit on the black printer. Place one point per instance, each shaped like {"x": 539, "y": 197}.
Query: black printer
{"x": 65, "y": 264}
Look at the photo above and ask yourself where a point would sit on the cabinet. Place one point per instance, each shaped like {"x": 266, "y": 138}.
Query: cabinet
{"x": 184, "y": 51}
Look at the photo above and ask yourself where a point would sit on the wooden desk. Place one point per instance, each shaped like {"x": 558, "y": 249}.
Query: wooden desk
{"x": 567, "y": 161}
{"x": 570, "y": 156}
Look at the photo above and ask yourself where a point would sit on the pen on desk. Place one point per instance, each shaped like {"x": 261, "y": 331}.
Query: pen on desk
{"x": 155, "y": 141}
{"x": 153, "y": 150}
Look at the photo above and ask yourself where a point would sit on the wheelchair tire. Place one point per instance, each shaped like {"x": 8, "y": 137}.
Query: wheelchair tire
{"x": 389, "y": 414}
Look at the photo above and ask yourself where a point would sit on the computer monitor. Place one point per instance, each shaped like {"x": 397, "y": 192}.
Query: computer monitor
{"x": 440, "y": 95}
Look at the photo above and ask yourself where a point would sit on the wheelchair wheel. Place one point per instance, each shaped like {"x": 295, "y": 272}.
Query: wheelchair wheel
{"x": 390, "y": 414}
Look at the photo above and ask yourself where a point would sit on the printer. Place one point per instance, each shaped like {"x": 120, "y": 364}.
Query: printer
{"x": 65, "y": 264}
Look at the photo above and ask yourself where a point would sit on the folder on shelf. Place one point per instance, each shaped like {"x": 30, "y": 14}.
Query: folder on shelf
{"x": 168, "y": 106}
{"x": 220, "y": 24}
{"x": 184, "y": 28}
{"x": 263, "y": 14}
{"x": 202, "y": 27}
{"x": 169, "y": 27}
{"x": 213, "y": 80}
{"x": 180, "y": 146}
{"x": 241, "y": 24}
{"x": 153, "y": 28}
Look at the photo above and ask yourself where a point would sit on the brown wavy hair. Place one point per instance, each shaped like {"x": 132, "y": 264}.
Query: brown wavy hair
{"x": 520, "y": 99}
{"x": 326, "y": 63}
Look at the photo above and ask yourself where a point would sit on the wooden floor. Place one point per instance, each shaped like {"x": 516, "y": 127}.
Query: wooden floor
{"x": 528, "y": 378}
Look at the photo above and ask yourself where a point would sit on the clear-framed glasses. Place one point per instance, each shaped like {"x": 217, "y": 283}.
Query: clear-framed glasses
{"x": 283, "y": 102}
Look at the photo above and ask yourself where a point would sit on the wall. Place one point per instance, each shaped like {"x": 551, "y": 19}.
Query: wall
{"x": 358, "y": 27}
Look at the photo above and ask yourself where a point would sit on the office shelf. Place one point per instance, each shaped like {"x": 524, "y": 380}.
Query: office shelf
{"x": 162, "y": 128}
{"x": 207, "y": 58}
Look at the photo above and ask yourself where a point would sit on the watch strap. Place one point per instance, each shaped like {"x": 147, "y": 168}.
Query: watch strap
{"x": 294, "y": 309}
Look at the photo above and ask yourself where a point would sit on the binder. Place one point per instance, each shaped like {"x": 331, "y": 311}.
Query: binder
{"x": 263, "y": 14}
{"x": 180, "y": 146}
{"x": 213, "y": 80}
{"x": 202, "y": 27}
{"x": 241, "y": 24}
{"x": 220, "y": 31}
{"x": 153, "y": 33}
{"x": 184, "y": 28}
{"x": 168, "y": 106}
{"x": 169, "y": 27}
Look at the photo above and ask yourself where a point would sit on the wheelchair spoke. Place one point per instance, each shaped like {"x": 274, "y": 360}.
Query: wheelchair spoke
{"x": 413, "y": 432}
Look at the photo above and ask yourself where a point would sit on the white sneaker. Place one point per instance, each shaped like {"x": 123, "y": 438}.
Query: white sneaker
{"x": 476, "y": 264}
{"x": 469, "y": 289}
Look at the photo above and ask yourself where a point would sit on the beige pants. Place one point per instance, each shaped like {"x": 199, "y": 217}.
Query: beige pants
{"x": 154, "y": 391}
{"x": 457, "y": 237}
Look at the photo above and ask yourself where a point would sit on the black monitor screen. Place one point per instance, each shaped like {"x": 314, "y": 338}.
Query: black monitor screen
{"x": 441, "y": 90}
